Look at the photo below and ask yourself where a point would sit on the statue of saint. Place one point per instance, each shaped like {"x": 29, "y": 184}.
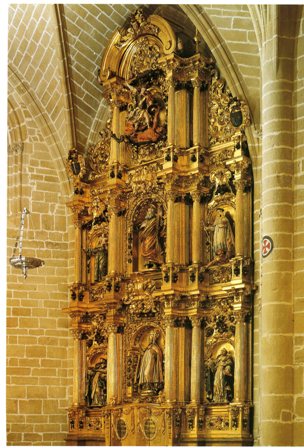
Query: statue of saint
{"x": 151, "y": 231}
{"x": 101, "y": 262}
{"x": 224, "y": 377}
{"x": 150, "y": 373}
{"x": 223, "y": 245}
{"x": 210, "y": 368}
{"x": 96, "y": 387}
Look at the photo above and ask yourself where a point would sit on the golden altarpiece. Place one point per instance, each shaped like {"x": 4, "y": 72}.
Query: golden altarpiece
{"x": 161, "y": 304}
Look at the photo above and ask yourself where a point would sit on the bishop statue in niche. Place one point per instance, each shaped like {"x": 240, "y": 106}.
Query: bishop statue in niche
{"x": 149, "y": 373}
{"x": 222, "y": 241}
{"x": 151, "y": 235}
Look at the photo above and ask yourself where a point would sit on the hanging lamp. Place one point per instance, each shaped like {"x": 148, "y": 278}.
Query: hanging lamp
{"x": 18, "y": 260}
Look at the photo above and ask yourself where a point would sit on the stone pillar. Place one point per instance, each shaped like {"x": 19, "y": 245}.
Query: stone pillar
{"x": 197, "y": 111}
{"x": 114, "y": 366}
{"x": 170, "y": 228}
{"x": 276, "y": 328}
{"x": 196, "y": 360}
{"x": 171, "y": 113}
{"x": 79, "y": 369}
{"x": 196, "y": 229}
{"x": 241, "y": 369}
{"x": 170, "y": 366}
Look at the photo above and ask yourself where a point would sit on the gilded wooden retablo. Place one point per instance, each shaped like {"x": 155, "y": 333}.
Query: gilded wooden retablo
{"x": 161, "y": 306}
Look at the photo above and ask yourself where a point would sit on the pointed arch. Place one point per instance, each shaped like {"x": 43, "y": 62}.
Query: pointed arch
{"x": 50, "y": 134}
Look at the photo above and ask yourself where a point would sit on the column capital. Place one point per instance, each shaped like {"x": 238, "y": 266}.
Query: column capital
{"x": 196, "y": 83}
{"x": 241, "y": 316}
{"x": 196, "y": 196}
{"x": 169, "y": 321}
{"x": 196, "y": 321}
{"x": 171, "y": 195}
{"x": 79, "y": 334}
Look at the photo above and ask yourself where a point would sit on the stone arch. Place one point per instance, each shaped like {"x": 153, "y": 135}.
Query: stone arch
{"x": 46, "y": 127}
{"x": 17, "y": 131}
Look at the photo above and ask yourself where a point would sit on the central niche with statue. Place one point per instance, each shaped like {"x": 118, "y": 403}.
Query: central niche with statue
{"x": 162, "y": 299}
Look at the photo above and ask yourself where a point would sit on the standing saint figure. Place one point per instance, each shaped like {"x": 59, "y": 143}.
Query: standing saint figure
{"x": 224, "y": 377}
{"x": 101, "y": 261}
{"x": 98, "y": 389}
{"x": 223, "y": 238}
{"x": 150, "y": 372}
{"x": 150, "y": 234}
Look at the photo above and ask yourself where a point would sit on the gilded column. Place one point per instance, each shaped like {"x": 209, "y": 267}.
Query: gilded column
{"x": 171, "y": 112}
{"x": 196, "y": 360}
{"x": 114, "y": 368}
{"x": 241, "y": 373}
{"x": 183, "y": 361}
{"x": 196, "y": 229}
{"x": 170, "y": 373}
{"x": 79, "y": 365}
{"x": 182, "y": 119}
{"x": 115, "y": 149}
{"x": 78, "y": 251}
{"x": 116, "y": 244}
{"x": 170, "y": 227}
{"x": 84, "y": 256}
{"x": 197, "y": 110}
{"x": 184, "y": 231}
{"x": 239, "y": 218}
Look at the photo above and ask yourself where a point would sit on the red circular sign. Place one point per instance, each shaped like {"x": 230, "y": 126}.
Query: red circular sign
{"x": 267, "y": 246}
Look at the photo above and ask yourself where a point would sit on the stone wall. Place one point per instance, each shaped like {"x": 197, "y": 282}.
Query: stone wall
{"x": 298, "y": 285}
{"x": 39, "y": 356}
